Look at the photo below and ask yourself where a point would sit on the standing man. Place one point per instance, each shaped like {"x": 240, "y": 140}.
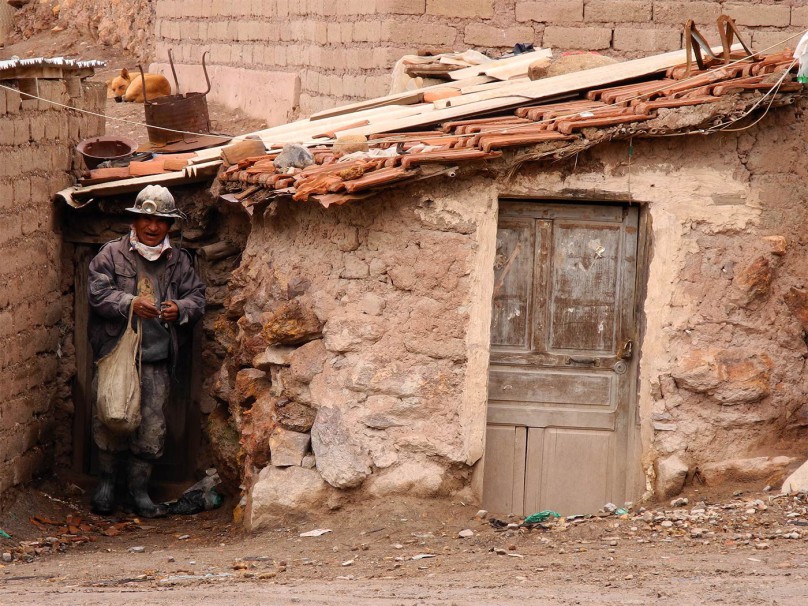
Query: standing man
{"x": 143, "y": 271}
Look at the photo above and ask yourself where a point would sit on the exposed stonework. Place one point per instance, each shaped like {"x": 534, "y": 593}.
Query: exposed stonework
{"x": 378, "y": 370}
{"x": 37, "y": 361}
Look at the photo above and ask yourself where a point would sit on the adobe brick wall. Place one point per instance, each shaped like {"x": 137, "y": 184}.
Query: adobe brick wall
{"x": 37, "y": 155}
{"x": 323, "y": 53}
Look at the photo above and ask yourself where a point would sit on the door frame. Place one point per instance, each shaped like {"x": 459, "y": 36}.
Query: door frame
{"x": 635, "y": 481}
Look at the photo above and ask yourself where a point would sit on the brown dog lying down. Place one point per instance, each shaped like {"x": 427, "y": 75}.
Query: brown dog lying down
{"x": 126, "y": 88}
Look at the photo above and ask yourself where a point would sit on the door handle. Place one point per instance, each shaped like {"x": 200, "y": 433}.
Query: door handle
{"x": 582, "y": 361}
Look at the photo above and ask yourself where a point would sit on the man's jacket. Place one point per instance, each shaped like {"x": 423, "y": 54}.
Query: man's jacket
{"x": 113, "y": 286}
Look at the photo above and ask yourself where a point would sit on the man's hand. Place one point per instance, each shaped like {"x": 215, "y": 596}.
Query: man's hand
{"x": 170, "y": 311}
{"x": 144, "y": 308}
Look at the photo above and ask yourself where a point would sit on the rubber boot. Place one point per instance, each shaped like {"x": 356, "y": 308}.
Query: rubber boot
{"x": 103, "y": 501}
{"x": 139, "y": 474}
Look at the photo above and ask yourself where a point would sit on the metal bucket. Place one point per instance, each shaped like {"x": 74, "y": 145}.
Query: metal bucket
{"x": 176, "y": 117}
{"x": 100, "y": 149}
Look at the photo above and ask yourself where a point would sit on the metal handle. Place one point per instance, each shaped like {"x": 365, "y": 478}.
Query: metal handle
{"x": 586, "y": 361}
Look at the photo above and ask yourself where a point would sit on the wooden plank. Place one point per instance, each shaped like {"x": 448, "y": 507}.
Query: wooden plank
{"x": 580, "y": 80}
{"x": 501, "y": 64}
{"x": 402, "y": 98}
{"x": 508, "y": 72}
{"x": 82, "y": 386}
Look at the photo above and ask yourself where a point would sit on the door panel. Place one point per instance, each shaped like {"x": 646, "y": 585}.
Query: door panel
{"x": 576, "y": 474}
{"x": 503, "y": 477}
{"x": 561, "y": 366}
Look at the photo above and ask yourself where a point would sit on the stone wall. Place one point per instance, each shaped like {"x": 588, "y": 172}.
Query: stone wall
{"x": 356, "y": 338}
{"x": 722, "y": 371}
{"x": 356, "y": 345}
{"x": 310, "y": 55}
{"x": 36, "y": 342}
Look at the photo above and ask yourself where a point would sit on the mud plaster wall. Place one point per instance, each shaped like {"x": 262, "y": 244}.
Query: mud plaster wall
{"x": 722, "y": 374}
{"x": 36, "y": 341}
{"x": 357, "y": 345}
{"x": 277, "y": 59}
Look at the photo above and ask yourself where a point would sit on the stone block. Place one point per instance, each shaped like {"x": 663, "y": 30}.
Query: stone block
{"x": 467, "y": 9}
{"x": 671, "y": 474}
{"x": 281, "y": 491}
{"x": 274, "y": 355}
{"x": 577, "y": 38}
{"x": 294, "y": 415}
{"x": 288, "y": 447}
{"x": 730, "y": 376}
{"x": 617, "y": 11}
{"x": 490, "y": 36}
{"x": 753, "y": 283}
{"x": 757, "y": 15}
{"x": 797, "y": 481}
{"x": 413, "y": 478}
{"x": 758, "y": 469}
{"x": 560, "y": 11}
{"x": 307, "y": 361}
{"x": 340, "y": 460}
{"x": 676, "y": 12}
{"x": 401, "y": 7}
{"x": 646, "y": 40}
{"x": 249, "y": 385}
{"x": 290, "y": 323}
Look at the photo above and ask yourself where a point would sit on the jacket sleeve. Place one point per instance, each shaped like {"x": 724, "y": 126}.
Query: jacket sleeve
{"x": 190, "y": 297}
{"x": 109, "y": 297}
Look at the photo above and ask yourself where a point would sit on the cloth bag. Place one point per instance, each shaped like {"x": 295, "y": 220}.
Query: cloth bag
{"x": 118, "y": 399}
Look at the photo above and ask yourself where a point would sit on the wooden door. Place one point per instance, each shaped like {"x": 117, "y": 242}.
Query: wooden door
{"x": 562, "y": 372}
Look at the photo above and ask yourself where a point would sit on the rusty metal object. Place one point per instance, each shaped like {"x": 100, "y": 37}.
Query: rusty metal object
{"x": 100, "y": 149}
{"x": 177, "y": 117}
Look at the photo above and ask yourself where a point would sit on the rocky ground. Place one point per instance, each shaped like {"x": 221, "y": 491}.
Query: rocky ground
{"x": 746, "y": 549}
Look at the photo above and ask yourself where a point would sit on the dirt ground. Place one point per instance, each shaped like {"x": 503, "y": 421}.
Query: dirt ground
{"x": 748, "y": 549}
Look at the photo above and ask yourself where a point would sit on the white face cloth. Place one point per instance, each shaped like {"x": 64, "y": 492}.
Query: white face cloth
{"x": 150, "y": 253}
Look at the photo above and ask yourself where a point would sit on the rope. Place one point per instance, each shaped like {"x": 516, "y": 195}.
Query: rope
{"x": 108, "y": 117}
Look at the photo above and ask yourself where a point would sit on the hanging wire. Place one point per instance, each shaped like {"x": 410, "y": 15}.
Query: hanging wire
{"x": 503, "y": 130}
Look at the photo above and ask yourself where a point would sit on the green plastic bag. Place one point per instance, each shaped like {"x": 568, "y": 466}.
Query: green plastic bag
{"x": 542, "y": 516}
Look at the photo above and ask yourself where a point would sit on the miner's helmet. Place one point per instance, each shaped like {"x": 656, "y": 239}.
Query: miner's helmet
{"x": 157, "y": 201}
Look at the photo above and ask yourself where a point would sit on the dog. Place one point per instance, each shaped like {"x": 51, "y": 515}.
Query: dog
{"x": 126, "y": 88}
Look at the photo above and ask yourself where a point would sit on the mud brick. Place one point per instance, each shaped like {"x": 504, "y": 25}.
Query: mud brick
{"x": 466, "y": 9}
{"x": 581, "y": 38}
{"x": 799, "y": 17}
{"x": 561, "y": 11}
{"x": 758, "y": 14}
{"x": 771, "y": 42}
{"x": 650, "y": 40}
{"x": 617, "y": 11}
{"x": 13, "y": 101}
{"x": 491, "y": 36}
{"x": 675, "y": 12}
{"x": 401, "y": 7}
{"x": 2, "y": 100}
